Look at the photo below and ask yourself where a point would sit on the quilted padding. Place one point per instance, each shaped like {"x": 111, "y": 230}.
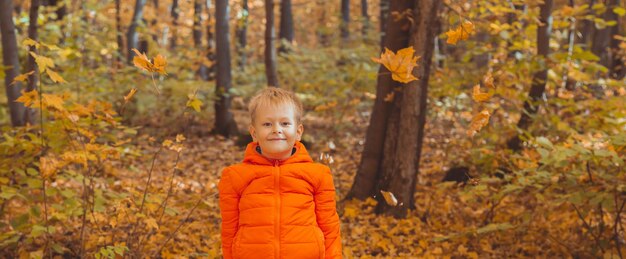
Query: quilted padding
{"x": 278, "y": 209}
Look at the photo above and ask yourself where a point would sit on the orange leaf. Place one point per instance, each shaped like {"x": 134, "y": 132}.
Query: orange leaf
{"x": 142, "y": 61}
{"x": 22, "y": 77}
{"x": 389, "y": 97}
{"x": 30, "y": 98}
{"x": 478, "y": 122}
{"x": 159, "y": 64}
{"x": 53, "y": 101}
{"x": 460, "y": 33}
{"x": 389, "y": 198}
{"x": 480, "y": 96}
{"x": 488, "y": 81}
{"x": 400, "y": 65}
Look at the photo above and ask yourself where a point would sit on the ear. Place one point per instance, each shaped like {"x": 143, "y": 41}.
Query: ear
{"x": 299, "y": 132}
{"x": 252, "y": 133}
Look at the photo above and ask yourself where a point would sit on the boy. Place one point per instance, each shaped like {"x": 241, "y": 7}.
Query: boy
{"x": 277, "y": 203}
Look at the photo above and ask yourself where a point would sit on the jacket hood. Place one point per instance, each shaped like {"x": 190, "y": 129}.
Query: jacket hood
{"x": 252, "y": 156}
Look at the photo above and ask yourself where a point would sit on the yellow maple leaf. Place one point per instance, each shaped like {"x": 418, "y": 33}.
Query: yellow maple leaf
{"x": 141, "y": 61}
{"x": 194, "y": 102}
{"x": 159, "y": 63}
{"x": 488, "y": 81}
{"x": 29, "y": 99}
{"x": 479, "y": 96}
{"x": 30, "y": 42}
{"x": 42, "y": 62}
{"x": 400, "y": 64}
{"x": 22, "y": 77}
{"x": 460, "y": 33}
{"x": 55, "y": 76}
{"x": 478, "y": 122}
{"x": 53, "y": 101}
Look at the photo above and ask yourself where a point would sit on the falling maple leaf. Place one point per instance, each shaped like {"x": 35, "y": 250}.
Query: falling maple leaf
{"x": 460, "y": 33}
{"x": 479, "y": 96}
{"x": 194, "y": 102}
{"x": 488, "y": 81}
{"x": 400, "y": 65}
{"x": 389, "y": 198}
{"x": 478, "y": 122}
{"x": 140, "y": 60}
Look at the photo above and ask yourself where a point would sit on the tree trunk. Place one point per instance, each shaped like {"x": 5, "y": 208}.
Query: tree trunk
{"x": 536, "y": 93}
{"x": 33, "y": 79}
{"x": 366, "y": 18}
{"x": 118, "y": 27}
{"x": 400, "y": 178}
{"x": 345, "y": 19}
{"x": 588, "y": 28}
{"x": 197, "y": 24}
{"x": 174, "y": 14}
{"x": 132, "y": 37}
{"x": 208, "y": 73}
{"x": 242, "y": 31}
{"x": 286, "y": 26}
{"x": 270, "y": 49}
{"x": 604, "y": 44}
{"x": 385, "y": 6}
{"x": 11, "y": 63}
{"x": 368, "y": 173}
{"x": 224, "y": 122}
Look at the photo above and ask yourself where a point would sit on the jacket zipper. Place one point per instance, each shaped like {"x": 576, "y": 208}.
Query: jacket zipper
{"x": 277, "y": 198}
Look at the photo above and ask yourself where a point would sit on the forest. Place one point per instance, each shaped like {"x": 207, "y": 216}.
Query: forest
{"x": 453, "y": 129}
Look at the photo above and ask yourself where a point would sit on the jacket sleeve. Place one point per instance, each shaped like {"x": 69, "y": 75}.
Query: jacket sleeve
{"x": 229, "y": 208}
{"x": 326, "y": 214}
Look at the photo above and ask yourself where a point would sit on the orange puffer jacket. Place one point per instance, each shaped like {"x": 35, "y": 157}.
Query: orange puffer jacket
{"x": 278, "y": 209}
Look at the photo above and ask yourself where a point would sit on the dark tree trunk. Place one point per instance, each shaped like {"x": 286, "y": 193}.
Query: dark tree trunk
{"x": 385, "y": 6}
{"x": 242, "y": 32}
{"x": 132, "y": 37}
{"x": 153, "y": 23}
{"x": 401, "y": 175}
{"x": 366, "y": 18}
{"x": 588, "y": 28}
{"x": 286, "y": 26}
{"x": 33, "y": 79}
{"x": 368, "y": 172}
{"x": 224, "y": 122}
{"x": 197, "y": 24}
{"x": 208, "y": 73}
{"x": 174, "y": 13}
{"x": 345, "y": 19}
{"x": 61, "y": 11}
{"x": 538, "y": 86}
{"x": 118, "y": 27}
{"x": 604, "y": 44}
{"x": 11, "y": 63}
{"x": 270, "y": 49}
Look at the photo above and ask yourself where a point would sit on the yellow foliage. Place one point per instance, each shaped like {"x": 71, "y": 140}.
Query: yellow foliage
{"x": 400, "y": 65}
{"x": 460, "y": 33}
{"x": 479, "y": 96}
{"x": 141, "y": 61}
{"x": 478, "y": 122}
{"x": 22, "y": 77}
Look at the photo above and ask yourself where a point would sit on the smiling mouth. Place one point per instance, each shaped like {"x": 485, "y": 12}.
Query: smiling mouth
{"x": 276, "y": 139}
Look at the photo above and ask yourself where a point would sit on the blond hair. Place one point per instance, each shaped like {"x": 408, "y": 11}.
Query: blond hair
{"x": 271, "y": 96}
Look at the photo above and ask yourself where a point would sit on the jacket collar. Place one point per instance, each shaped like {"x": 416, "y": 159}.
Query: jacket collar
{"x": 253, "y": 157}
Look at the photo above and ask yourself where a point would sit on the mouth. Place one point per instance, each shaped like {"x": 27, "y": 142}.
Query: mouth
{"x": 276, "y": 139}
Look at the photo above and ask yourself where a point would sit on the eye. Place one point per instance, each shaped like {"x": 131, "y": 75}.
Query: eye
{"x": 266, "y": 124}
{"x": 286, "y": 123}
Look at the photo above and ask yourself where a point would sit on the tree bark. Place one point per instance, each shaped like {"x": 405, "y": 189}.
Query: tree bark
{"x": 197, "y": 24}
{"x": 412, "y": 116}
{"x": 224, "y": 122}
{"x": 11, "y": 63}
{"x": 366, "y": 18}
{"x": 588, "y": 28}
{"x": 118, "y": 27}
{"x": 345, "y": 19}
{"x": 132, "y": 37}
{"x": 538, "y": 87}
{"x": 368, "y": 172}
{"x": 174, "y": 14}
{"x": 242, "y": 34}
{"x": 604, "y": 44}
{"x": 270, "y": 49}
{"x": 33, "y": 79}
{"x": 385, "y": 6}
{"x": 208, "y": 73}
{"x": 286, "y": 26}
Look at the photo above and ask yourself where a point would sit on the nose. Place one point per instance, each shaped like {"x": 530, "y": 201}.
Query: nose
{"x": 277, "y": 129}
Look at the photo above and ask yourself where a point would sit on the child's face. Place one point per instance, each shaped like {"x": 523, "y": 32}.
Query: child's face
{"x": 276, "y": 129}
